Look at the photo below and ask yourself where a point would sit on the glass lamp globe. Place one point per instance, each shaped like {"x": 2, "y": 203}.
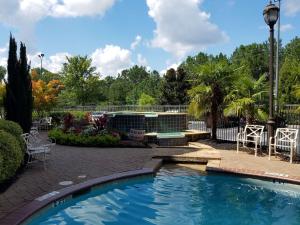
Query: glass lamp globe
{"x": 271, "y": 13}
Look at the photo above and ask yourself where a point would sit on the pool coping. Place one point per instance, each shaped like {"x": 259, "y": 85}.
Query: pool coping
{"x": 213, "y": 165}
{"x": 20, "y": 215}
{"x": 258, "y": 174}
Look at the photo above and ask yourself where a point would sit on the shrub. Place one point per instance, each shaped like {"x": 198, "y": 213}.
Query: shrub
{"x": 68, "y": 121}
{"x": 102, "y": 140}
{"x": 11, "y": 155}
{"x": 78, "y": 114}
{"x": 14, "y": 129}
{"x": 101, "y": 122}
{"x": 58, "y": 116}
{"x": 11, "y": 127}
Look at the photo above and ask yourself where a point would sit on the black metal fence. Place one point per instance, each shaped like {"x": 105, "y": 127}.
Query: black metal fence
{"x": 133, "y": 108}
{"x": 228, "y": 128}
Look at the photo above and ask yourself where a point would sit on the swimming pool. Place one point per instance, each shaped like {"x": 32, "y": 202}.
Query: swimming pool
{"x": 160, "y": 122}
{"x": 170, "y": 135}
{"x": 181, "y": 196}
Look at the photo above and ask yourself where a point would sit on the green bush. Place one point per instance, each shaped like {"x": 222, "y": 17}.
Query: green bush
{"x": 14, "y": 129}
{"x": 78, "y": 114}
{"x": 11, "y": 127}
{"x": 11, "y": 155}
{"x": 103, "y": 140}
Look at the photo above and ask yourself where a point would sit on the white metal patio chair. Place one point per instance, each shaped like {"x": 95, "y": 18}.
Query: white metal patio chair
{"x": 36, "y": 151}
{"x": 43, "y": 123}
{"x": 35, "y": 134}
{"x": 250, "y": 134}
{"x": 37, "y": 138}
{"x": 286, "y": 140}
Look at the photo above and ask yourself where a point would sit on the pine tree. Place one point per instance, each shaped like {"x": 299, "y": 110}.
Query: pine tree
{"x": 168, "y": 92}
{"x": 182, "y": 86}
{"x": 174, "y": 88}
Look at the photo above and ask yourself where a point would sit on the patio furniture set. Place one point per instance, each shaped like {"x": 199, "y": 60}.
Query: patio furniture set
{"x": 284, "y": 142}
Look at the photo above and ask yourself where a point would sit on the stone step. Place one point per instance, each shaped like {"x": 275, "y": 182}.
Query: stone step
{"x": 199, "y": 145}
{"x": 194, "y": 135}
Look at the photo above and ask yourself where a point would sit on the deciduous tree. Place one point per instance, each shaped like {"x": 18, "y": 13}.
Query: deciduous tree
{"x": 81, "y": 79}
{"x": 2, "y": 73}
{"x": 45, "y": 94}
{"x": 146, "y": 99}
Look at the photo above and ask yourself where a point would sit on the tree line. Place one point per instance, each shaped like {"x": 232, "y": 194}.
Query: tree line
{"x": 84, "y": 86}
{"x": 235, "y": 85}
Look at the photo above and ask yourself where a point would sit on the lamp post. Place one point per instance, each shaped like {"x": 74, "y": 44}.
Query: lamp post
{"x": 41, "y": 56}
{"x": 270, "y": 13}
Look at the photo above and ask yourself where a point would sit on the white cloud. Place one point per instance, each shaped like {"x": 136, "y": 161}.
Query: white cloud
{"x": 52, "y": 63}
{"x": 3, "y": 50}
{"x": 74, "y": 8}
{"x": 291, "y": 7}
{"x": 111, "y": 60}
{"x": 3, "y": 56}
{"x": 286, "y": 27}
{"x": 3, "y": 61}
{"x": 24, "y": 14}
{"x": 183, "y": 28}
{"x": 55, "y": 62}
{"x": 141, "y": 60}
{"x": 174, "y": 66}
{"x": 136, "y": 42}
{"x": 283, "y": 27}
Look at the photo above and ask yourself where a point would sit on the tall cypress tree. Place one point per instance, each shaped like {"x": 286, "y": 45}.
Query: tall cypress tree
{"x": 26, "y": 99}
{"x": 18, "y": 100}
{"x": 13, "y": 83}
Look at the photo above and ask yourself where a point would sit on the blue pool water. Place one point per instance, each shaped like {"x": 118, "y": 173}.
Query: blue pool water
{"x": 181, "y": 196}
{"x": 170, "y": 135}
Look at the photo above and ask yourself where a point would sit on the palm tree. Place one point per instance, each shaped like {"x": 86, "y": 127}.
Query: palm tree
{"x": 245, "y": 97}
{"x": 207, "y": 97}
{"x": 296, "y": 92}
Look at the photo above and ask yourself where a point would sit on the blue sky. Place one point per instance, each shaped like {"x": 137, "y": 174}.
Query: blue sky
{"x": 117, "y": 34}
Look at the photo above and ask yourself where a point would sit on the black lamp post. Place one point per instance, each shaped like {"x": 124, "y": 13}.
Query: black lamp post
{"x": 41, "y": 56}
{"x": 271, "y": 13}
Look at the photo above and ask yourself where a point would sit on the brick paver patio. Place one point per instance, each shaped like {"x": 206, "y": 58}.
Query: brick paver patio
{"x": 80, "y": 164}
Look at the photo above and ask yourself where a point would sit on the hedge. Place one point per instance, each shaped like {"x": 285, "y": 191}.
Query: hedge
{"x": 11, "y": 155}
{"x": 14, "y": 129}
{"x": 103, "y": 140}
